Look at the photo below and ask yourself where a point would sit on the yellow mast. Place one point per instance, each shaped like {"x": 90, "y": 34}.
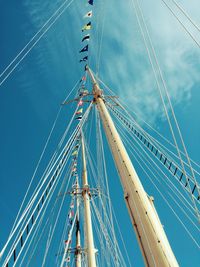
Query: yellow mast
{"x": 150, "y": 234}
{"x": 78, "y": 234}
{"x": 90, "y": 250}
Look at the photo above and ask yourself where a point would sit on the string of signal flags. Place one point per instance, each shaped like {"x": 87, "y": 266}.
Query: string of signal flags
{"x": 86, "y": 36}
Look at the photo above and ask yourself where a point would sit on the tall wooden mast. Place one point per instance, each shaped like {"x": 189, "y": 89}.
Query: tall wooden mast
{"x": 78, "y": 234}
{"x": 152, "y": 239}
{"x": 90, "y": 250}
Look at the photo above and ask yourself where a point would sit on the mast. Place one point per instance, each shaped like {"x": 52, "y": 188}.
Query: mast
{"x": 150, "y": 234}
{"x": 78, "y": 235}
{"x": 90, "y": 250}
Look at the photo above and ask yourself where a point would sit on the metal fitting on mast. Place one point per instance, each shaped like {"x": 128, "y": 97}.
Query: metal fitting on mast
{"x": 97, "y": 92}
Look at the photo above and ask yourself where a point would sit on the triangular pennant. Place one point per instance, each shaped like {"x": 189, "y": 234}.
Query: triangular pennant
{"x": 86, "y": 37}
{"x": 87, "y": 27}
{"x": 80, "y": 103}
{"x": 84, "y": 59}
{"x": 78, "y": 118}
{"x": 75, "y": 153}
{"x": 84, "y": 49}
{"x": 79, "y": 111}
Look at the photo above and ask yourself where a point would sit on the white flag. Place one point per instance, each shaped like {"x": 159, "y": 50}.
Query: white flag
{"x": 88, "y": 15}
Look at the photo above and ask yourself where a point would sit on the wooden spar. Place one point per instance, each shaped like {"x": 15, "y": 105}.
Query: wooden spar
{"x": 150, "y": 234}
{"x": 90, "y": 250}
{"x": 78, "y": 235}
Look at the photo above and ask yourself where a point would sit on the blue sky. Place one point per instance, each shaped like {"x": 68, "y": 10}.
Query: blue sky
{"x": 30, "y": 98}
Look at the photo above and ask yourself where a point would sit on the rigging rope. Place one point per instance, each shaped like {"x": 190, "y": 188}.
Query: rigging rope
{"x": 169, "y": 101}
{"x": 37, "y": 210}
{"x": 49, "y": 186}
{"x": 181, "y": 23}
{"x": 32, "y": 46}
{"x": 169, "y": 165}
{"x": 41, "y": 156}
{"x": 150, "y": 167}
{"x": 140, "y": 118}
{"x": 164, "y": 198}
{"x": 187, "y": 16}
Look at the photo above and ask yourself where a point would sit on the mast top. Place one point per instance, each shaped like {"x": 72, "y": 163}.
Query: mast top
{"x": 97, "y": 92}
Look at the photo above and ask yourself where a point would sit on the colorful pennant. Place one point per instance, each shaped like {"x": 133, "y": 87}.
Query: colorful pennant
{"x": 86, "y": 38}
{"x": 87, "y": 27}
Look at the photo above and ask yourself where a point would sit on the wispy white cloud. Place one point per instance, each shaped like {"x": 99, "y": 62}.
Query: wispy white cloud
{"x": 124, "y": 63}
{"x": 127, "y": 63}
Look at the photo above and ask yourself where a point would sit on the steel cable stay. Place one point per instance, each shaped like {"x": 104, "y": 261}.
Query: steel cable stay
{"x": 150, "y": 50}
{"x": 55, "y": 222}
{"x": 32, "y": 43}
{"x": 170, "y": 206}
{"x": 94, "y": 175}
{"x": 48, "y": 170}
{"x": 129, "y": 112}
{"x": 149, "y": 137}
{"x": 42, "y": 199}
{"x": 129, "y": 131}
{"x": 104, "y": 174}
{"x": 121, "y": 237}
{"x": 186, "y": 15}
{"x": 150, "y": 170}
{"x": 168, "y": 182}
{"x": 108, "y": 239}
{"x": 141, "y": 223}
{"x": 106, "y": 253}
{"x": 145, "y": 159}
{"x": 182, "y": 24}
{"x": 63, "y": 236}
{"x": 41, "y": 156}
{"x": 67, "y": 246}
{"x": 36, "y": 237}
{"x": 102, "y": 254}
{"x": 153, "y": 143}
{"x": 30, "y": 228}
{"x": 37, "y": 166}
{"x": 163, "y": 147}
{"x": 146, "y": 37}
{"x": 66, "y": 226}
{"x": 172, "y": 209}
{"x": 169, "y": 165}
{"x": 29, "y": 225}
{"x": 29, "y": 205}
{"x": 23, "y": 217}
{"x": 108, "y": 222}
{"x": 57, "y": 214}
{"x": 111, "y": 227}
{"x": 53, "y": 163}
{"x": 36, "y": 192}
{"x": 39, "y": 235}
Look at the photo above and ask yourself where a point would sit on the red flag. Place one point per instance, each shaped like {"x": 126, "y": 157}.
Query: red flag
{"x": 80, "y": 103}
